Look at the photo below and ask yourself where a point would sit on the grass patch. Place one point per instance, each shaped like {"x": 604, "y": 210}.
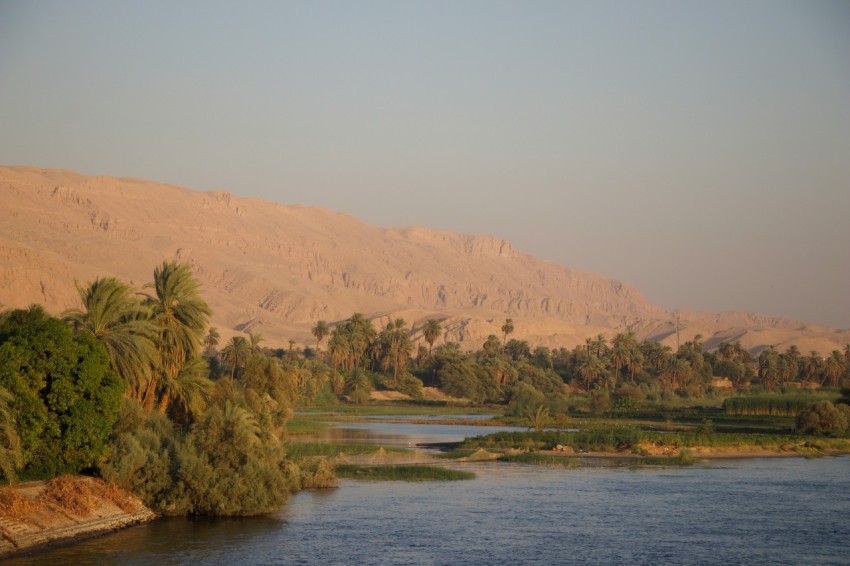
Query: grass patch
{"x": 305, "y": 426}
{"x": 308, "y": 449}
{"x": 628, "y": 439}
{"x": 456, "y": 454}
{"x": 543, "y": 459}
{"x": 401, "y": 473}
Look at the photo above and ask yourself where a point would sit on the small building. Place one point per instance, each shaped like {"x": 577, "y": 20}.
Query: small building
{"x": 721, "y": 383}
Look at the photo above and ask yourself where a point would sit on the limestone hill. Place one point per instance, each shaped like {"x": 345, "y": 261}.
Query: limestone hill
{"x": 276, "y": 269}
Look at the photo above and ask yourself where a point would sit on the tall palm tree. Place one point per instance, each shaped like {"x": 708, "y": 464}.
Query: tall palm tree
{"x": 254, "y": 342}
{"x": 812, "y": 365}
{"x": 118, "y": 320}
{"x": 621, "y": 348}
{"x": 634, "y": 360}
{"x": 833, "y": 367}
{"x": 590, "y": 369}
{"x": 190, "y": 390}
{"x": 431, "y": 332}
{"x": 319, "y": 332}
{"x": 507, "y": 328}
{"x": 212, "y": 339}
{"x": 181, "y": 316}
{"x": 676, "y": 373}
{"x": 236, "y": 354}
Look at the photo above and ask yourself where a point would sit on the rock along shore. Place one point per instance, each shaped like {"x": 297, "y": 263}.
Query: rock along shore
{"x": 44, "y": 522}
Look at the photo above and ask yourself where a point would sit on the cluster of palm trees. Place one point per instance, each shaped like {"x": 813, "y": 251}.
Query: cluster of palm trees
{"x": 355, "y": 343}
{"x": 791, "y": 365}
{"x": 153, "y": 339}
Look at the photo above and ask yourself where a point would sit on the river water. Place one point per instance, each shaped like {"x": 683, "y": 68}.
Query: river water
{"x": 754, "y": 511}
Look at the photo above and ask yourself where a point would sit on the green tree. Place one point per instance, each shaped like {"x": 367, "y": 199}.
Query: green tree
{"x": 118, "y": 320}
{"x": 236, "y": 354}
{"x": 431, "y": 332}
{"x": 590, "y": 369}
{"x": 254, "y": 341}
{"x": 320, "y": 331}
{"x": 181, "y": 316}
{"x": 65, "y": 395}
{"x": 537, "y": 418}
{"x": 833, "y": 368}
{"x": 11, "y": 451}
{"x": 507, "y": 328}
{"x": 824, "y": 418}
{"x": 212, "y": 340}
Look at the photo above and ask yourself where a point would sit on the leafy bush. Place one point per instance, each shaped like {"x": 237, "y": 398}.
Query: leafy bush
{"x": 65, "y": 397}
{"x": 824, "y": 418}
{"x": 223, "y": 466}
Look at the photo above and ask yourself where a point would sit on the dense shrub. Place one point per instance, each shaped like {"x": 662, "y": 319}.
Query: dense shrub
{"x": 225, "y": 465}
{"x": 824, "y": 418}
{"x": 64, "y": 395}
{"x": 522, "y": 398}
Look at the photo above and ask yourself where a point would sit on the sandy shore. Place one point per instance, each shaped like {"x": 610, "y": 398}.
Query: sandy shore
{"x": 46, "y": 523}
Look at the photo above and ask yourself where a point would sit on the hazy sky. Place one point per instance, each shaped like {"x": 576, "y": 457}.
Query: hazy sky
{"x": 699, "y": 151}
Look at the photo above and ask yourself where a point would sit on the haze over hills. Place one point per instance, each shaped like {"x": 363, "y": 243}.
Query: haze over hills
{"x": 276, "y": 269}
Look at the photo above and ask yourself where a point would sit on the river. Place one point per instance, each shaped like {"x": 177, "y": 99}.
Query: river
{"x": 751, "y": 511}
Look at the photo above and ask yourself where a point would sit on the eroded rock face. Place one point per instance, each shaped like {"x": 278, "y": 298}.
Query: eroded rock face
{"x": 277, "y": 269}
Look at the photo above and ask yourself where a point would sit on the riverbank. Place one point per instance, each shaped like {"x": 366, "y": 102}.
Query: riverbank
{"x": 37, "y": 514}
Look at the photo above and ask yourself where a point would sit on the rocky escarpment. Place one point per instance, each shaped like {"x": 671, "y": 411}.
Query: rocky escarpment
{"x": 276, "y": 269}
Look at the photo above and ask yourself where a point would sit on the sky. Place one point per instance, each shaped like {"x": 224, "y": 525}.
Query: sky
{"x": 698, "y": 151}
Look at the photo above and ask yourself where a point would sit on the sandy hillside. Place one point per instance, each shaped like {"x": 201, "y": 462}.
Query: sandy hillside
{"x": 276, "y": 269}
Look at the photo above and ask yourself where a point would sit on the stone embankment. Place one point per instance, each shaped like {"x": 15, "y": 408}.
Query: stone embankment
{"x": 32, "y": 515}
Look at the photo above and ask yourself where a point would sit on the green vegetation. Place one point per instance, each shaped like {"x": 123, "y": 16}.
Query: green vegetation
{"x": 305, "y": 450}
{"x": 60, "y": 392}
{"x": 789, "y": 405}
{"x": 631, "y": 440}
{"x": 824, "y": 418}
{"x": 204, "y": 432}
{"x": 401, "y": 473}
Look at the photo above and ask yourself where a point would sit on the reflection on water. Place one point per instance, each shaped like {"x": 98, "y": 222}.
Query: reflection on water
{"x": 760, "y": 511}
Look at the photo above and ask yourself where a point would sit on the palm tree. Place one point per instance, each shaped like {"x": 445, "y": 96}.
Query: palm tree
{"x": 119, "y": 321}
{"x": 833, "y": 367}
{"x": 212, "y": 340}
{"x": 492, "y": 346}
{"x": 811, "y": 365}
{"x": 320, "y": 331}
{"x": 537, "y": 418}
{"x": 621, "y": 348}
{"x": 396, "y": 347}
{"x": 431, "y": 332}
{"x": 254, "y": 342}
{"x": 676, "y": 373}
{"x": 634, "y": 360}
{"x": 236, "y": 353}
{"x": 590, "y": 369}
{"x": 181, "y": 316}
{"x": 507, "y": 328}
{"x": 190, "y": 390}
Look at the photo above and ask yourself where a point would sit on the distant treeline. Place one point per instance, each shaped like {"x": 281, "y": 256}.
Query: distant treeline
{"x": 134, "y": 386}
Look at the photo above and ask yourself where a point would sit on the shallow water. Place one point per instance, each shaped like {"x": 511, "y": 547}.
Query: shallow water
{"x": 759, "y": 511}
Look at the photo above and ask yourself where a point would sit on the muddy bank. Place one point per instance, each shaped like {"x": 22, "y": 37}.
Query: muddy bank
{"x": 37, "y": 514}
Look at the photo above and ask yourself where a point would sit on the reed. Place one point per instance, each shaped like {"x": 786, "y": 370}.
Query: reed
{"x": 297, "y": 450}
{"x": 401, "y": 473}
{"x": 789, "y": 405}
